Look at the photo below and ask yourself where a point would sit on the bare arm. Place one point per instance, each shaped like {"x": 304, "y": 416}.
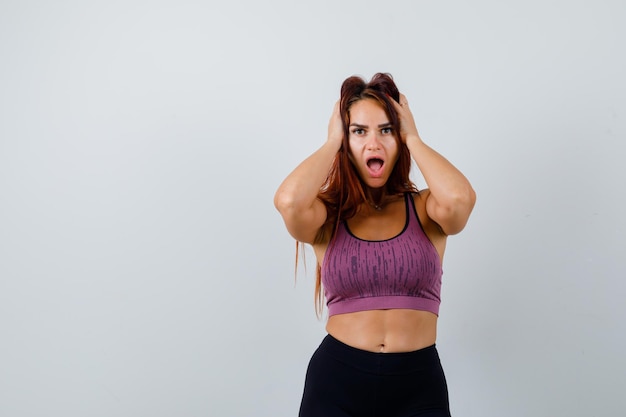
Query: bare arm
{"x": 451, "y": 198}
{"x": 296, "y": 198}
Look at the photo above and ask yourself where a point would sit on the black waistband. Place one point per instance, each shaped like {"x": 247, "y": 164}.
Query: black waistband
{"x": 382, "y": 363}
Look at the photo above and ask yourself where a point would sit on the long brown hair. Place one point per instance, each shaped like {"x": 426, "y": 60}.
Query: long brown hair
{"x": 343, "y": 192}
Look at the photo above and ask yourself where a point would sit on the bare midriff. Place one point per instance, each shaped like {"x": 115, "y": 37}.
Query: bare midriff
{"x": 386, "y": 331}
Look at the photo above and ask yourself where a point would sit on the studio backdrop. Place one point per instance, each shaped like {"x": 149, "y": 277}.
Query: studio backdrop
{"x": 145, "y": 272}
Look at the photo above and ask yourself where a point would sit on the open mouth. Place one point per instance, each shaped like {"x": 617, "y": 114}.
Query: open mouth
{"x": 375, "y": 165}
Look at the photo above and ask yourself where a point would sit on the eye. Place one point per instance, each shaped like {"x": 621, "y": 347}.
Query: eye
{"x": 386, "y": 130}
{"x": 358, "y": 131}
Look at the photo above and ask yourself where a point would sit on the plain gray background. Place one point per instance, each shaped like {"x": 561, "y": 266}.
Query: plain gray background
{"x": 145, "y": 272}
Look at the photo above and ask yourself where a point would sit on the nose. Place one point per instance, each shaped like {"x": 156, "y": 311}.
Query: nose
{"x": 373, "y": 142}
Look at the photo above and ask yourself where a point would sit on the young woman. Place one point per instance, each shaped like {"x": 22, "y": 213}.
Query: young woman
{"x": 379, "y": 244}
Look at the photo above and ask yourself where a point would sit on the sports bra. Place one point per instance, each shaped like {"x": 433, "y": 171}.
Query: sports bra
{"x": 401, "y": 272}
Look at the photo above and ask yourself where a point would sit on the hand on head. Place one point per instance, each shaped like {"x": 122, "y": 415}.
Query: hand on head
{"x": 407, "y": 123}
{"x": 335, "y": 126}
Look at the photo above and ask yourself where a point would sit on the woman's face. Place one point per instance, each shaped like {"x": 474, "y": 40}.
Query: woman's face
{"x": 373, "y": 145}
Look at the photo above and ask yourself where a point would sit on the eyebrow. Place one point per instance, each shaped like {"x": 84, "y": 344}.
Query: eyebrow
{"x": 388, "y": 124}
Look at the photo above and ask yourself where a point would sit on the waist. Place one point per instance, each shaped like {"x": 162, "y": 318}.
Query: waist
{"x": 394, "y": 330}
{"x": 377, "y": 363}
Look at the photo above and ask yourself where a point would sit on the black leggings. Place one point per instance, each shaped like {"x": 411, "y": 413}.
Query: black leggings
{"x": 343, "y": 381}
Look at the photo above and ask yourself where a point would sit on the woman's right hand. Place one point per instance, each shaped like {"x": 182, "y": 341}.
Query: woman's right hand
{"x": 335, "y": 127}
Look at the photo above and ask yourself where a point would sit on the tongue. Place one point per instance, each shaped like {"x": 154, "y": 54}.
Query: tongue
{"x": 375, "y": 164}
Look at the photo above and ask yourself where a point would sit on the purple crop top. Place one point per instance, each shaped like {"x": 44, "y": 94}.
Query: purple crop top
{"x": 401, "y": 272}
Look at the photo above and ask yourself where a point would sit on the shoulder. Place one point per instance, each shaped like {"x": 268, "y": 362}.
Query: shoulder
{"x": 433, "y": 231}
{"x": 430, "y": 226}
{"x": 420, "y": 197}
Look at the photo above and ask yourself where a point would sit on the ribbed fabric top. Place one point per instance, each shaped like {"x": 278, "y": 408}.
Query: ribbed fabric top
{"x": 401, "y": 272}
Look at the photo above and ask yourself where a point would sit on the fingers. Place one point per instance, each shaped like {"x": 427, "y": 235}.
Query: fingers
{"x": 335, "y": 111}
{"x": 335, "y": 125}
{"x": 407, "y": 123}
{"x": 403, "y": 101}
{"x": 402, "y": 105}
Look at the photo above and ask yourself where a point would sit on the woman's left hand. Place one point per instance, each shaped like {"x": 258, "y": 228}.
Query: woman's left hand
{"x": 407, "y": 123}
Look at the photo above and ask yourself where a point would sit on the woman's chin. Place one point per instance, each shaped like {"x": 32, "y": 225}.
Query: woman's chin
{"x": 376, "y": 182}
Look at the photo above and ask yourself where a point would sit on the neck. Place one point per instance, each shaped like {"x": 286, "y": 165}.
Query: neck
{"x": 376, "y": 198}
